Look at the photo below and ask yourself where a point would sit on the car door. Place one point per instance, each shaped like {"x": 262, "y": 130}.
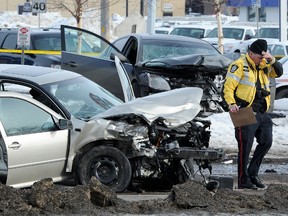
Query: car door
{"x": 36, "y": 147}
{"x": 83, "y": 52}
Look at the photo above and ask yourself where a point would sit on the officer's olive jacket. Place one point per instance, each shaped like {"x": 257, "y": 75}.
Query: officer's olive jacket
{"x": 241, "y": 79}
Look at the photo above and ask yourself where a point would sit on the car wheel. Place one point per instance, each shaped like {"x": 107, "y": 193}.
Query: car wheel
{"x": 109, "y": 165}
{"x": 283, "y": 93}
{"x": 136, "y": 89}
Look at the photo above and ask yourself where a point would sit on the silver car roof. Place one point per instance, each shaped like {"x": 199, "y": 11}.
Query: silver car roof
{"x": 37, "y": 74}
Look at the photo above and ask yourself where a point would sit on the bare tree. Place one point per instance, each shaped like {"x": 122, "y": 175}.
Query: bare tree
{"x": 217, "y": 4}
{"x": 75, "y": 7}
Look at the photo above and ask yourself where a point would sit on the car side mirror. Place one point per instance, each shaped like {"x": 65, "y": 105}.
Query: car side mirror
{"x": 247, "y": 37}
{"x": 65, "y": 124}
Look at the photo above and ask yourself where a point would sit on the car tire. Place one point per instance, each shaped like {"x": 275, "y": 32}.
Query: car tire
{"x": 108, "y": 164}
{"x": 283, "y": 93}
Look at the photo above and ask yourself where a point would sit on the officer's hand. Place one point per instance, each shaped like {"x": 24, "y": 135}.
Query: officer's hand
{"x": 268, "y": 57}
{"x": 233, "y": 108}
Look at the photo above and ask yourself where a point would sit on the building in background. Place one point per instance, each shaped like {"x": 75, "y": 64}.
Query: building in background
{"x": 268, "y": 10}
{"x": 121, "y": 7}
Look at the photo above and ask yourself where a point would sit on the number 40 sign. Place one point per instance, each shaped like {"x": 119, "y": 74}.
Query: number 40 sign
{"x": 39, "y": 6}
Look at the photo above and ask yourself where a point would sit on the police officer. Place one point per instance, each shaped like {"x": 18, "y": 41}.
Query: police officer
{"x": 247, "y": 84}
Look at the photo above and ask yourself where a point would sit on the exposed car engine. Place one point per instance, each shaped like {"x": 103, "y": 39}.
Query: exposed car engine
{"x": 205, "y": 72}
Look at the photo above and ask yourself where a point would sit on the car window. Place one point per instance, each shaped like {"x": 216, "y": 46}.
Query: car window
{"x": 268, "y": 33}
{"x": 46, "y": 42}
{"x": 131, "y": 51}
{"x": 278, "y": 50}
{"x": 83, "y": 43}
{"x": 249, "y": 34}
{"x": 10, "y": 42}
{"x": 20, "y": 117}
{"x": 120, "y": 43}
{"x": 2, "y": 38}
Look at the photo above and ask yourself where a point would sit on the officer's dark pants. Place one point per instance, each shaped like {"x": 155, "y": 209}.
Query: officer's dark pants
{"x": 262, "y": 131}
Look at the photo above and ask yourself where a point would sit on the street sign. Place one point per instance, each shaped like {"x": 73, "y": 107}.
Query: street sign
{"x": 23, "y": 36}
{"x": 27, "y": 7}
{"x": 39, "y": 6}
{"x": 256, "y": 3}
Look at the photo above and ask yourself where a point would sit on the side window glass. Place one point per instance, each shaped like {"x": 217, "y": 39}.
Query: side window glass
{"x": 20, "y": 117}
{"x": 85, "y": 43}
{"x": 10, "y": 42}
{"x": 278, "y": 50}
{"x": 120, "y": 43}
{"x": 2, "y": 38}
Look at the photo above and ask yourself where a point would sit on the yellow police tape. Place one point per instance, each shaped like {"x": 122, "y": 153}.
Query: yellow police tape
{"x": 44, "y": 52}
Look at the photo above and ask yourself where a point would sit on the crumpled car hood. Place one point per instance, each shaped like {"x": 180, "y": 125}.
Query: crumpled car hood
{"x": 176, "y": 106}
{"x": 207, "y": 61}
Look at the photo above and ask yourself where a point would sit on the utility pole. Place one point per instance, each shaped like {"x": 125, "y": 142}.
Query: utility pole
{"x": 283, "y": 20}
{"x": 151, "y": 16}
{"x": 105, "y": 19}
{"x": 142, "y": 7}
{"x": 256, "y": 4}
{"x": 217, "y": 7}
{"x": 127, "y": 8}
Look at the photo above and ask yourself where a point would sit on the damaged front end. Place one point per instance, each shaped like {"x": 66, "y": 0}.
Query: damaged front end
{"x": 160, "y": 151}
{"x": 169, "y": 155}
{"x": 205, "y": 72}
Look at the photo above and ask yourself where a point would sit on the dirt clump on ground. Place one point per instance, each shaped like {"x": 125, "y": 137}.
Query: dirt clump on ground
{"x": 46, "y": 198}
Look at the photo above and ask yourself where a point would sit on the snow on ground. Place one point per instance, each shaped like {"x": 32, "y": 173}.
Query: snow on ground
{"x": 222, "y": 130}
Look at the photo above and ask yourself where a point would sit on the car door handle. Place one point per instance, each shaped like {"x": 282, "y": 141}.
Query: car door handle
{"x": 72, "y": 64}
{"x": 14, "y": 145}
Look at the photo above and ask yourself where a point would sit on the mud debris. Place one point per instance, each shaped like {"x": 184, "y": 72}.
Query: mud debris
{"x": 46, "y": 198}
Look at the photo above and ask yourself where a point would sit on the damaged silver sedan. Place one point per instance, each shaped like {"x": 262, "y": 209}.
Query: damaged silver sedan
{"x": 61, "y": 125}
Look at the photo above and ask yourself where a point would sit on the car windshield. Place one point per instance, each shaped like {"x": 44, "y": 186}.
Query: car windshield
{"x": 267, "y": 33}
{"x": 83, "y": 98}
{"x": 154, "y": 49}
{"x": 236, "y": 33}
{"x": 189, "y": 32}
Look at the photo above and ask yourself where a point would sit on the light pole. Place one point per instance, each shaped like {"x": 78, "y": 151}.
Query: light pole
{"x": 256, "y": 4}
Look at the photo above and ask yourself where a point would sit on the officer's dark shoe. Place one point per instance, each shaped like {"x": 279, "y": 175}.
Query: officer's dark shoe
{"x": 247, "y": 185}
{"x": 256, "y": 181}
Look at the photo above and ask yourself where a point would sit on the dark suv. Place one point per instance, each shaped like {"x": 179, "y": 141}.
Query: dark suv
{"x": 44, "y": 49}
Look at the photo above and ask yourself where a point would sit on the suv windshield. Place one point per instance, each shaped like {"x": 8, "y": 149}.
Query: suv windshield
{"x": 188, "y": 32}
{"x": 267, "y": 33}
{"x": 154, "y": 49}
{"x": 236, "y": 33}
